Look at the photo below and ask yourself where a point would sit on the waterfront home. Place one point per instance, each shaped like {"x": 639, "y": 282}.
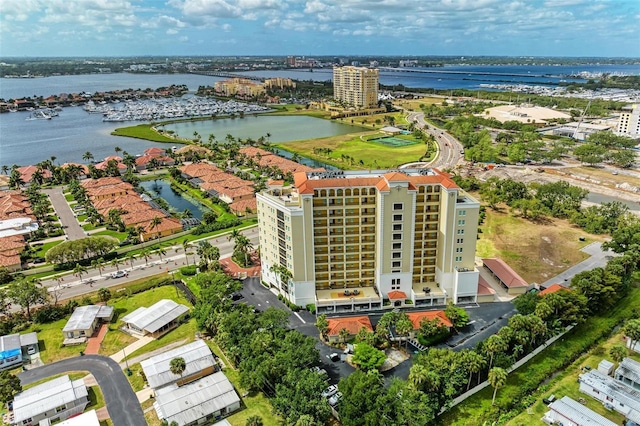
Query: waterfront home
{"x": 55, "y": 400}
{"x": 198, "y": 359}
{"x": 14, "y": 348}
{"x": 84, "y": 322}
{"x": 201, "y": 402}
{"x": 156, "y": 320}
{"x": 27, "y": 172}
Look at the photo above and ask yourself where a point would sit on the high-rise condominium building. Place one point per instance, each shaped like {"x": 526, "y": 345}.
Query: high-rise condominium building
{"x": 629, "y": 122}
{"x": 356, "y": 86}
{"x": 363, "y": 240}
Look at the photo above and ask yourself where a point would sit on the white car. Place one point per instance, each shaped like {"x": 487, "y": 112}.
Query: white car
{"x": 320, "y": 371}
{"x": 330, "y": 391}
{"x": 118, "y": 274}
{"x": 333, "y": 401}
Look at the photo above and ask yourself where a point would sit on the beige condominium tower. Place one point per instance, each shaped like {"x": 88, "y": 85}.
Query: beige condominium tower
{"x": 356, "y": 86}
{"x": 367, "y": 240}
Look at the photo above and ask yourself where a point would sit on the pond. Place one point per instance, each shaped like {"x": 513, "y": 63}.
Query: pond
{"x": 281, "y": 128}
{"x": 162, "y": 189}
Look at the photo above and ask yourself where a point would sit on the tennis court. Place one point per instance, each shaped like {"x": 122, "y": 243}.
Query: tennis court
{"x": 393, "y": 141}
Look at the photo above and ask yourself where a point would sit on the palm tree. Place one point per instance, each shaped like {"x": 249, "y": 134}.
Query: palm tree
{"x": 5, "y": 169}
{"x": 161, "y": 252}
{"x": 116, "y": 262}
{"x": 497, "y": 379}
{"x": 323, "y": 325}
{"x": 87, "y": 156}
{"x": 244, "y": 245}
{"x": 344, "y": 334}
{"x": 233, "y": 235}
{"x": 79, "y": 269}
{"x": 117, "y": 149}
{"x": 475, "y": 363}
{"x": 146, "y": 253}
{"x": 97, "y": 264}
{"x": 493, "y": 345}
{"x": 404, "y": 326}
{"x": 618, "y": 352}
{"x": 177, "y": 366}
{"x": 185, "y": 246}
{"x": 155, "y": 223}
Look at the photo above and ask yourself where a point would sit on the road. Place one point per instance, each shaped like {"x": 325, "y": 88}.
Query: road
{"x": 121, "y": 401}
{"x": 448, "y": 146}
{"x": 72, "y": 228}
{"x": 69, "y": 286}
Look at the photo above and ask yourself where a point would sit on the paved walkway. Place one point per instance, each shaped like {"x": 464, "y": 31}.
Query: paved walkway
{"x": 93, "y": 344}
{"x": 144, "y": 394}
{"x": 72, "y": 228}
{"x": 232, "y": 268}
{"x": 121, "y": 354}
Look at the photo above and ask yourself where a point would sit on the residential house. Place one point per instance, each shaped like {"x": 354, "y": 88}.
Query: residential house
{"x": 14, "y": 204}
{"x": 201, "y": 402}
{"x": 568, "y": 412}
{"x": 10, "y": 249}
{"x": 198, "y": 359}
{"x": 18, "y": 226}
{"x": 614, "y": 394}
{"x": 507, "y": 277}
{"x": 57, "y": 399}
{"x": 26, "y": 173}
{"x": 14, "y": 348}
{"x": 84, "y": 322}
{"x": 417, "y": 317}
{"x": 628, "y": 372}
{"x": 352, "y": 324}
{"x": 90, "y": 418}
{"x": 156, "y": 320}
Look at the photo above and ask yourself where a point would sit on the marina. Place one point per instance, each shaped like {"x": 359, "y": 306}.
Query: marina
{"x": 159, "y": 109}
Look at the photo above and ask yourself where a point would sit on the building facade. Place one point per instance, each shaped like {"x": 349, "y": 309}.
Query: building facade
{"x": 356, "y": 86}
{"x": 629, "y": 122}
{"x": 365, "y": 240}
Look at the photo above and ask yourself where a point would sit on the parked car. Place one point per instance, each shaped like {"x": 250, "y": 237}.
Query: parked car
{"x": 330, "y": 391}
{"x": 39, "y": 260}
{"x": 236, "y": 295}
{"x": 320, "y": 371}
{"x": 118, "y": 274}
{"x": 125, "y": 243}
{"x": 333, "y": 401}
{"x": 334, "y": 357}
{"x": 31, "y": 350}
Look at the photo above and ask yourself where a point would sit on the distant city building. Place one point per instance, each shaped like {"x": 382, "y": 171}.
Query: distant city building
{"x": 356, "y": 86}
{"x": 534, "y": 115}
{"x": 279, "y": 83}
{"x": 408, "y": 63}
{"x": 629, "y": 122}
{"x": 361, "y": 240}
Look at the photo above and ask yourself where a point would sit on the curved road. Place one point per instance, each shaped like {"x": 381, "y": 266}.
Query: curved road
{"x": 122, "y": 403}
{"x": 449, "y": 147}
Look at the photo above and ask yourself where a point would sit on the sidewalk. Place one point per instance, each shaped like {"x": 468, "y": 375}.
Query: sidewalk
{"x": 234, "y": 270}
{"x": 93, "y": 345}
{"x": 121, "y": 354}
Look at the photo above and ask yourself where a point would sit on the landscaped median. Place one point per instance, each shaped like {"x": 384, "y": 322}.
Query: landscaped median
{"x": 526, "y": 385}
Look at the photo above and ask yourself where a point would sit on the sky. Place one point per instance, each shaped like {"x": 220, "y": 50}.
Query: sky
{"x": 594, "y": 28}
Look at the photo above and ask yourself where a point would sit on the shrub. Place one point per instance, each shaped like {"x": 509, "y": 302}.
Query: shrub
{"x": 188, "y": 270}
{"x": 49, "y": 313}
{"x": 311, "y": 308}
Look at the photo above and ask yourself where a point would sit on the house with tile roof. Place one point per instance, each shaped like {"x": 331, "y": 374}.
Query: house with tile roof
{"x": 352, "y": 324}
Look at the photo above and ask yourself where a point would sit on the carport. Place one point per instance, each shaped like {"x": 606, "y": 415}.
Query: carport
{"x": 507, "y": 277}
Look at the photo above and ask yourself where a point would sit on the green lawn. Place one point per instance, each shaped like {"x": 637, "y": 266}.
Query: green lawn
{"x": 42, "y": 250}
{"x": 145, "y": 131}
{"x": 477, "y": 409}
{"x": 120, "y": 236}
{"x": 90, "y": 226}
{"x": 69, "y": 197}
{"x": 372, "y": 154}
{"x": 135, "y": 379}
{"x": 200, "y": 198}
{"x": 115, "y": 340}
{"x": 50, "y": 338}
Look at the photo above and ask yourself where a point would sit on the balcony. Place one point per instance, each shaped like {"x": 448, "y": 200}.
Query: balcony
{"x": 320, "y": 233}
{"x": 319, "y": 202}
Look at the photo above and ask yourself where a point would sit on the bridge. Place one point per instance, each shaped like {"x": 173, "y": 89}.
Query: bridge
{"x": 225, "y": 74}
{"x": 442, "y": 71}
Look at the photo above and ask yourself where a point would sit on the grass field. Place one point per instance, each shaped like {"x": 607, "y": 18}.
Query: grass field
{"x": 374, "y": 121}
{"x": 120, "y": 236}
{"x": 537, "y": 251}
{"x": 144, "y": 131}
{"x": 373, "y": 155}
{"x": 50, "y": 340}
{"x": 46, "y": 247}
{"x": 414, "y": 104}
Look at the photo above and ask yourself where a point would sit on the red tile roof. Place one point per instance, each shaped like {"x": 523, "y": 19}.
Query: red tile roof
{"x": 508, "y": 276}
{"x": 352, "y": 324}
{"x": 395, "y": 294}
{"x": 552, "y": 289}
{"x": 417, "y": 317}
{"x": 484, "y": 288}
{"x": 12, "y": 244}
{"x": 241, "y": 206}
{"x": 26, "y": 173}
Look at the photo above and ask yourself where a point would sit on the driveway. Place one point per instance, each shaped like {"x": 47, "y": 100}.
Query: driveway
{"x": 597, "y": 259}
{"x": 122, "y": 403}
{"x": 73, "y": 230}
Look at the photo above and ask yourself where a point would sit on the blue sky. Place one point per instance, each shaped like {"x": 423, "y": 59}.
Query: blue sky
{"x": 320, "y": 27}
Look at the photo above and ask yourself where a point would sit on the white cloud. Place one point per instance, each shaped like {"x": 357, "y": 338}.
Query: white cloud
{"x": 171, "y": 31}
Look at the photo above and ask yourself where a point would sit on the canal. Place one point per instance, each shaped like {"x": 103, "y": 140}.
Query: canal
{"x": 162, "y": 189}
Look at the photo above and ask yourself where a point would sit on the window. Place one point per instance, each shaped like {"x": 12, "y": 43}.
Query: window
{"x": 397, "y": 217}
{"x": 397, "y": 246}
{"x": 461, "y": 222}
{"x": 60, "y": 408}
{"x": 396, "y": 264}
{"x": 460, "y": 241}
{"x": 397, "y": 227}
{"x": 397, "y": 206}
{"x": 458, "y": 258}
{"x": 395, "y": 284}
{"x": 460, "y": 231}
{"x": 458, "y": 249}
{"x": 397, "y": 236}
{"x": 462, "y": 213}
{"x": 397, "y": 255}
